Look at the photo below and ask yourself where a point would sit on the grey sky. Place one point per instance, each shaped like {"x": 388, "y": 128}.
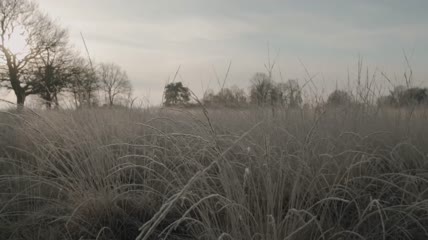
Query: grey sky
{"x": 150, "y": 39}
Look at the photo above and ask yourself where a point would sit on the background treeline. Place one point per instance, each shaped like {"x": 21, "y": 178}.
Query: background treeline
{"x": 48, "y": 66}
{"x": 266, "y": 92}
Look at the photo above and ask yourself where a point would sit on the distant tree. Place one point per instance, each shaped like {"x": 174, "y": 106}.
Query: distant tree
{"x": 414, "y": 96}
{"x": 261, "y": 89}
{"x": 114, "y": 82}
{"x": 209, "y": 97}
{"x": 339, "y": 98}
{"x": 22, "y": 19}
{"x": 224, "y": 97}
{"x": 239, "y": 95}
{"x": 232, "y": 97}
{"x": 83, "y": 83}
{"x": 402, "y": 96}
{"x": 289, "y": 93}
{"x": 176, "y": 94}
{"x": 397, "y": 95}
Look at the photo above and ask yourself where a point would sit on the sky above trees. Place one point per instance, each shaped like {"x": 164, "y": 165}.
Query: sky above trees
{"x": 151, "y": 39}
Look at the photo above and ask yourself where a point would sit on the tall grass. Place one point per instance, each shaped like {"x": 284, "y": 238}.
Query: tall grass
{"x": 176, "y": 174}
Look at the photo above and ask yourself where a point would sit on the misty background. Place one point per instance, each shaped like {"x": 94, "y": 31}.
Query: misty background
{"x": 151, "y": 39}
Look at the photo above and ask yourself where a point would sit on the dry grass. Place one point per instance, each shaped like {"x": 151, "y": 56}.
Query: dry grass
{"x": 170, "y": 174}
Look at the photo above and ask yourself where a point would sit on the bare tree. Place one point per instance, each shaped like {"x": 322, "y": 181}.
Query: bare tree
{"x": 21, "y": 18}
{"x": 83, "y": 83}
{"x": 289, "y": 93}
{"x": 113, "y": 81}
{"x": 261, "y": 88}
{"x": 339, "y": 98}
{"x": 54, "y": 67}
{"x": 230, "y": 97}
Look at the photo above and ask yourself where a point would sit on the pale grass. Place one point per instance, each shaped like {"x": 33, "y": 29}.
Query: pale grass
{"x": 214, "y": 174}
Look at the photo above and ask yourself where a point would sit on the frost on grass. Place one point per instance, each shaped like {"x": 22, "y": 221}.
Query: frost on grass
{"x": 161, "y": 174}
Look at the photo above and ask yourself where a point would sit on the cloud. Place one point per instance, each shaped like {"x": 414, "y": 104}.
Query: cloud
{"x": 150, "y": 39}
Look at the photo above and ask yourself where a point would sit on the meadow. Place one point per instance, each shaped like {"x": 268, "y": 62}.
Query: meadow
{"x": 220, "y": 174}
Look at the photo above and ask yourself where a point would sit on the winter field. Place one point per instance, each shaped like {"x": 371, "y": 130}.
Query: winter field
{"x": 335, "y": 173}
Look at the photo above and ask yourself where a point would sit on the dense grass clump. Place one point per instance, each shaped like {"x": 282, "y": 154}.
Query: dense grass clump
{"x": 221, "y": 174}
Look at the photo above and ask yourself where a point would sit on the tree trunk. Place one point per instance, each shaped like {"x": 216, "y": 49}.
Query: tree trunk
{"x": 56, "y": 101}
{"x": 48, "y": 105}
{"x": 110, "y": 97}
{"x": 14, "y": 79}
{"x": 48, "y": 99}
{"x": 20, "y": 99}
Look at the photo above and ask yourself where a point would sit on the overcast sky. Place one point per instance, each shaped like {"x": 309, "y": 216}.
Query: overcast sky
{"x": 150, "y": 39}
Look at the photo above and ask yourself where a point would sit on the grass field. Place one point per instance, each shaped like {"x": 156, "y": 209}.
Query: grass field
{"x": 344, "y": 173}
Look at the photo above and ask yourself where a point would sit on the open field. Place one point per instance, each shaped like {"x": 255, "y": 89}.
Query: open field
{"x": 226, "y": 174}
{"x": 213, "y": 120}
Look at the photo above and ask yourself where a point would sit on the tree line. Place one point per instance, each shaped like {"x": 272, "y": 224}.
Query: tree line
{"x": 266, "y": 92}
{"x": 47, "y": 65}
{"x": 263, "y": 92}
